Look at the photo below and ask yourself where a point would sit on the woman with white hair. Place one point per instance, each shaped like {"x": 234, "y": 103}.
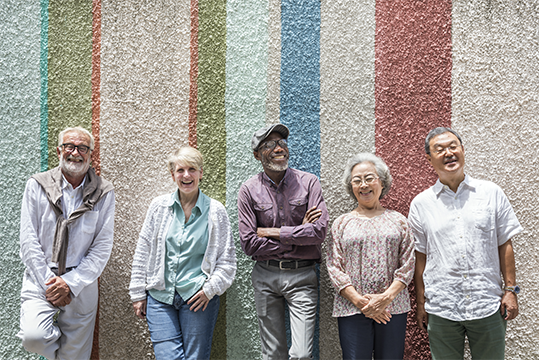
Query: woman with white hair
{"x": 370, "y": 263}
{"x": 185, "y": 259}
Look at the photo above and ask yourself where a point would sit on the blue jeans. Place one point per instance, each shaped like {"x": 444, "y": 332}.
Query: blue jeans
{"x": 179, "y": 333}
{"x": 362, "y": 338}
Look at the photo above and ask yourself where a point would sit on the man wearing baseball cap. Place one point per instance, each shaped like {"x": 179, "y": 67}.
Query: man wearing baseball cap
{"x": 282, "y": 220}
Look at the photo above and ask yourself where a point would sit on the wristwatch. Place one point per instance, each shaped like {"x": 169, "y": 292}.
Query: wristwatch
{"x": 514, "y": 289}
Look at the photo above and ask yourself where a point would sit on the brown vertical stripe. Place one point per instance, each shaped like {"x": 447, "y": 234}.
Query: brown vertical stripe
{"x": 96, "y": 161}
{"x": 413, "y": 69}
{"x": 193, "y": 73}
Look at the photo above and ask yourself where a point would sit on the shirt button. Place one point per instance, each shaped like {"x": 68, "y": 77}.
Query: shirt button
{"x": 282, "y": 224}
{"x": 468, "y": 296}
{"x": 465, "y": 276}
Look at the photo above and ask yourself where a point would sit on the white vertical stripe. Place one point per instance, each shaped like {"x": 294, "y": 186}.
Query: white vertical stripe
{"x": 347, "y": 119}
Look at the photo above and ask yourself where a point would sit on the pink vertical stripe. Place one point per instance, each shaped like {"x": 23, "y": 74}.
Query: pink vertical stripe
{"x": 193, "y": 73}
{"x": 413, "y": 68}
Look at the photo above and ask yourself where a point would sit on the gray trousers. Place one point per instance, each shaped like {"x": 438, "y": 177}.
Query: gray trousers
{"x": 71, "y": 337}
{"x": 273, "y": 287}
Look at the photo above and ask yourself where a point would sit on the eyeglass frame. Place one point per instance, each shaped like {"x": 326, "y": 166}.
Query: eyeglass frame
{"x": 281, "y": 142}
{"x": 78, "y": 147}
{"x": 452, "y": 148}
{"x": 361, "y": 180}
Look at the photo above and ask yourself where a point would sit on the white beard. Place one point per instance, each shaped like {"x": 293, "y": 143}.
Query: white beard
{"x": 274, "y": 167}
{"x": 74, "y": 169}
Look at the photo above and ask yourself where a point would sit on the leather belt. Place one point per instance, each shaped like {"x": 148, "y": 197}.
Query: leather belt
{"x": 290, "y": 264}
{"x": 55, "y": 270}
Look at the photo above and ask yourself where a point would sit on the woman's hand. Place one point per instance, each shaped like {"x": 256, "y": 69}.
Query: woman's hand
{"x": 140, "y": 308}
{"x": 198, "y": 300}
{"x": 376, "y": 307}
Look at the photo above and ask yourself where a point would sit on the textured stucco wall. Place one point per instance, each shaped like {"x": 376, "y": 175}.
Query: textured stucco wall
{"x": 144, "y": 114}
{"x": 344, "y": 76}
{"x": 69, "y": 69}
{"x": 495, "y": 109}
{"x": 245, "y": 108}
{"x": 347, "y": 121}
{"x": 19, "y": 151}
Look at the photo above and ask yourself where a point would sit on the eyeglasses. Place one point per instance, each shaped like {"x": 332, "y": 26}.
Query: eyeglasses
{"x": 441, "y": 150}
{"x": 369, "y": 179}
{"x": 82, "y": 149}
{"x": 271, "y": 145}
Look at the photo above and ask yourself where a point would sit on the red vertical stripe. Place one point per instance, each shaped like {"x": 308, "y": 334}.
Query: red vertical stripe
{"x": 96, "y": 161}
{"x": 413, "y": 69}
{"x": 193, "y": 73}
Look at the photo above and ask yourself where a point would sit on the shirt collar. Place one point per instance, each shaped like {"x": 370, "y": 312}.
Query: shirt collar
{"x": 439, "y": 186}
{"x": 283, "y": 181}
{"x": 67, "y": 186}
{"x": 175, "y": 199}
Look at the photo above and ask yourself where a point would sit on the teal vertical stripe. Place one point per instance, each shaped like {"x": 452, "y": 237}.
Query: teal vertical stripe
{"x": 43, "y": 70}
{"x": 245, "y": 109}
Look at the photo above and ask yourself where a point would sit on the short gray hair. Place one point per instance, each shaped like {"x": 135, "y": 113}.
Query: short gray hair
{"x": 380, "y": 166}
{"x": 438, "y": 131}
{"x": 76, "y": 129}
{"x": 185, "y": 155}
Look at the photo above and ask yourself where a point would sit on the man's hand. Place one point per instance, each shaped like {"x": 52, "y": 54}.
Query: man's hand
{"x": 421, "y": 316}
{"x": 268, "y": 233}
{"x": 140, "y": 308}
{"x": 509, "y": 305}
{"x": 312, "y": 215}
{"x": 198, "y": 300}
{"x": 58, "y": 293}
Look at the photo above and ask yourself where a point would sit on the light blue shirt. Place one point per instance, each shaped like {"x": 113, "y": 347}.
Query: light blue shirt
{"x": 186, "y": 244}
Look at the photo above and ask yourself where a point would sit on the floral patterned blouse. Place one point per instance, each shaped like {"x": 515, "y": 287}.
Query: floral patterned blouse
{"x": 370, "y": 254}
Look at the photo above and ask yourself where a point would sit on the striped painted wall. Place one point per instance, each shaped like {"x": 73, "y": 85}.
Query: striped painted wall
{"x": 345, "y": 76}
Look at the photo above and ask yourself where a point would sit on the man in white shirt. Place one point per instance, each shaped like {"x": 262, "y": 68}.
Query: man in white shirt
{"x": 463, "y": 229}
{"x": 66, "y": 237}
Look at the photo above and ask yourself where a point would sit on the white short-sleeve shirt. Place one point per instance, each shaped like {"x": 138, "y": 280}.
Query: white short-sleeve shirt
{"x": 460, "y": 233}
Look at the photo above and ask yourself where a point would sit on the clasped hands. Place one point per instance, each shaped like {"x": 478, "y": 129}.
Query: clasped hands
{"x": 58, "y": 293}
{"x": 374, "y": 306}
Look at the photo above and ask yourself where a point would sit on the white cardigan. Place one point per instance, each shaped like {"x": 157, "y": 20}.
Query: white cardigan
{"x": 148, "y": 269}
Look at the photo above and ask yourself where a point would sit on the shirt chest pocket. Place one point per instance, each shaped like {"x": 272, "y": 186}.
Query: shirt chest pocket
{"x": 89, "y": 221}
{"x": 484, "y": 219}
{"x": 265, "y": 213}
{"x": 298, "y": 209}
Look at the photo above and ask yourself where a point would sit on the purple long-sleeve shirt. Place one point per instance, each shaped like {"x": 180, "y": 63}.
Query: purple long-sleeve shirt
{"x": 262, "y": 204}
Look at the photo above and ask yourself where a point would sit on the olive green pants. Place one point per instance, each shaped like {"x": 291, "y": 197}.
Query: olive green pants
{"x": 486, "y": 337}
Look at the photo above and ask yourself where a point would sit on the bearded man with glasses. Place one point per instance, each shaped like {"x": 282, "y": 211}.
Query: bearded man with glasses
{"x": 282, "y": 220}
{"x": 66, "y": 237}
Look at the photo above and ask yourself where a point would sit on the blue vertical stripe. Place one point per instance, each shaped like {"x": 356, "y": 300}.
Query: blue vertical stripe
{"x": 43, "y": 69}
{"x": 300, "y": 81}
{"x": 300, "y": 91}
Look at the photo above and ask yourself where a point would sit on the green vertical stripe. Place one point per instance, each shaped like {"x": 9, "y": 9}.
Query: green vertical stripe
{"x": 69, "y": 69}
{"x": 43, "y": 63}
{"x": 211, "y": 134}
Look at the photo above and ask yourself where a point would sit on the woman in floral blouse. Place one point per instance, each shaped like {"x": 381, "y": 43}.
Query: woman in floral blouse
{"x": 370, "y": 263}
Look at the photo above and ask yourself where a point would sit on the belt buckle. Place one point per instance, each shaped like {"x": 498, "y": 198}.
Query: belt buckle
{"x": 282, "y": 268}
